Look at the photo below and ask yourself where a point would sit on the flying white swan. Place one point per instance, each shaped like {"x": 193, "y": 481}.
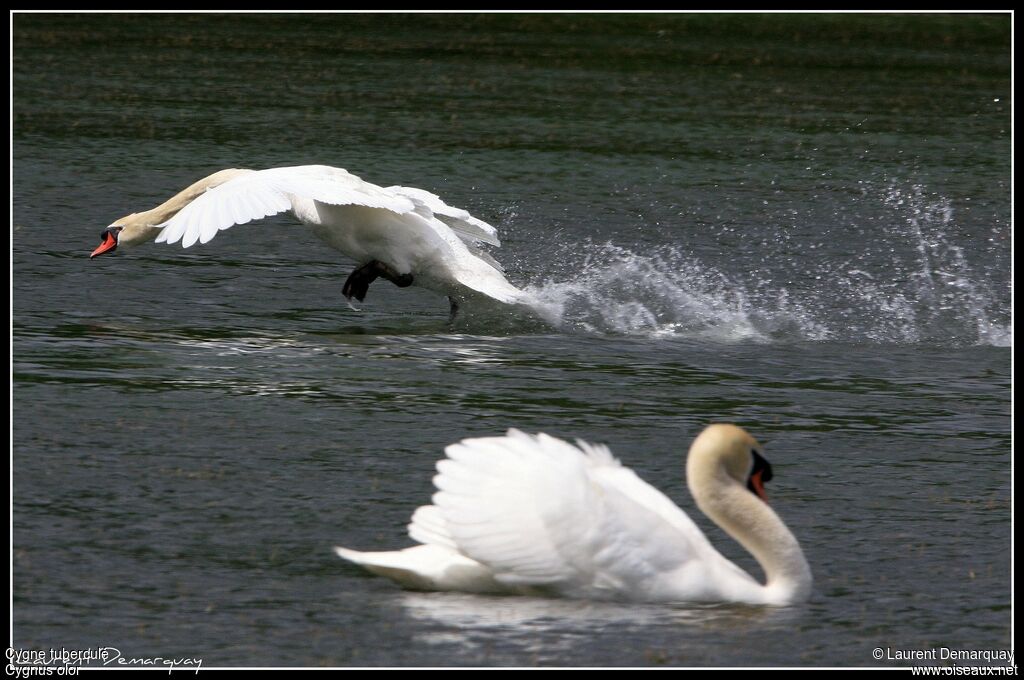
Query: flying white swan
{"x": 525, "y": 514}
{"x": 405, "y": 235}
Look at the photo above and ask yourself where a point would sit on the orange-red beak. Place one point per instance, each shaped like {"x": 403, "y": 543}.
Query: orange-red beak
{"x": 759, "y": 474}
{"x": 109, "y": 243}
{"x": 757, "y": 486}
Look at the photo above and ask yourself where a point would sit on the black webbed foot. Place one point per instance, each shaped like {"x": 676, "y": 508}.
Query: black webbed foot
{"x": 358, "y": 282}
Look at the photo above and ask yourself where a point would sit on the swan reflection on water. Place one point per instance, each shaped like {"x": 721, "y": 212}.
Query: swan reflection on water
{"x": 557, "y": 626}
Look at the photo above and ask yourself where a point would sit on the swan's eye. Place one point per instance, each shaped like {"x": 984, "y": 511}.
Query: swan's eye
{"x": 113, "y": 231}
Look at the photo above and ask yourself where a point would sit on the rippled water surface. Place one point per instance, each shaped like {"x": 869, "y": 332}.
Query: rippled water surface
{"x": 800, "y": 224}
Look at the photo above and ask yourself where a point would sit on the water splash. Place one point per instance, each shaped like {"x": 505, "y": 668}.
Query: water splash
{"x": 662, "y": 293}
{"x": 911, "y": 284}
{"x": 919, "y": 286}
{"x": 945, "y": 298}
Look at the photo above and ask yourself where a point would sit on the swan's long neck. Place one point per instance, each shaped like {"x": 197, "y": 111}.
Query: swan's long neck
{"x": 757, "y": 528}
{"x": 173, "y": 205}
{"x": 139, "y": 227}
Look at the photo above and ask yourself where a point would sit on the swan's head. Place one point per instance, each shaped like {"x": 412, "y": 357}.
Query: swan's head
{"x": 725, "y": 465}
{"x": 726, "y": 454}
{"x": 127, "y": 231}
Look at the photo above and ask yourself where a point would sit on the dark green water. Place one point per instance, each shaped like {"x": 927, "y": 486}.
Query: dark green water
{"x": 797, "y": 223}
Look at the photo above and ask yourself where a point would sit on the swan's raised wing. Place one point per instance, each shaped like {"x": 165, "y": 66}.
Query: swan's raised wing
{"x": 469, "y": 229}
{"x": 539, "y": 511}
{"x": 255, "y": 195}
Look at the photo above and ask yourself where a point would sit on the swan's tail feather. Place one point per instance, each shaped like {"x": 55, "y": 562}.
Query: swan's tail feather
{"x": 426, "y": 567}
{"x": 495, "y": 286}
{"x": 350, "y": 555}
{"x": 389, "y": 565}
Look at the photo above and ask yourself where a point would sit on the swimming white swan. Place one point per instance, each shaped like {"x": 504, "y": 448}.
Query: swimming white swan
{"x": 526, "y": 514}
{"x": 405, "y": 235}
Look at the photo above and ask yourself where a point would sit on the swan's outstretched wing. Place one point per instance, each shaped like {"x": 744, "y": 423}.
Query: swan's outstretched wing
{"x": 469, "y": 229}
{"x": 539, "y": 511}
{"x": 254, "y": 195}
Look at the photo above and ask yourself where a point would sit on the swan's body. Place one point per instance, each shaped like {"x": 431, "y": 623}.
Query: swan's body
{"x": 406, "y": 235}
{"x": 526, "y": 514}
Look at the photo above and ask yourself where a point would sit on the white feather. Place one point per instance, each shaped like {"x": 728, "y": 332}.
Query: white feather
{"x": 468, "y": 228}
